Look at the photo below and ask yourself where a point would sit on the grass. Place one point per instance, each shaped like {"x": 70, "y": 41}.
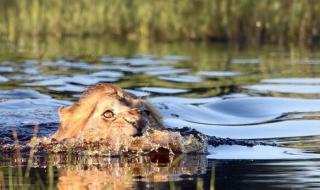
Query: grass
{"x": 249, "y": 21}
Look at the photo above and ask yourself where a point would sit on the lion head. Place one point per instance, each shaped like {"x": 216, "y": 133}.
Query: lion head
{"x": 103, "y": 111}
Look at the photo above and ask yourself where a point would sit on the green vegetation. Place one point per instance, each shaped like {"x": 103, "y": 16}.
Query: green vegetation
{"x": 252, "y": 21}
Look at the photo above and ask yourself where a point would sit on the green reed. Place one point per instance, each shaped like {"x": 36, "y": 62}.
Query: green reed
{"x": 280, "y": 21}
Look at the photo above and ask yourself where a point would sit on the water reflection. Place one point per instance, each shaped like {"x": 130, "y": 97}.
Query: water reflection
{"x": 81, "y": 172}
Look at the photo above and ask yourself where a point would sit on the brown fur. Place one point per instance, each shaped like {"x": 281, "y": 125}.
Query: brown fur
{"x": 129, "y": 115}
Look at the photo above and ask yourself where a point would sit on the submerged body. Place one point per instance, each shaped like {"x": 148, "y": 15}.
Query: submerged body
{"x": 106, "y": 119}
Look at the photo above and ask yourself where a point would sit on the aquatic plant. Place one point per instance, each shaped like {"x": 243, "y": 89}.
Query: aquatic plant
{"x": 278, "y": 21}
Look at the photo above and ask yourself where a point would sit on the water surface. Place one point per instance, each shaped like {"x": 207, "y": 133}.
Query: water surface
{"x": 266, "y": 94}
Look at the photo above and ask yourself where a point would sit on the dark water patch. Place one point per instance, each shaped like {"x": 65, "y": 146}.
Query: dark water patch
{"x": 286, "y": 174}
{"x": 187, "y": 171}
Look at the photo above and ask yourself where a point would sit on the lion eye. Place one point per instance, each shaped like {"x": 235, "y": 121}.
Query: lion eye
{"x": 108, "y": 114}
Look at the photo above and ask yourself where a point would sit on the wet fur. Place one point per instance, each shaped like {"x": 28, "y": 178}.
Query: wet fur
{"x": 75, "y": 119}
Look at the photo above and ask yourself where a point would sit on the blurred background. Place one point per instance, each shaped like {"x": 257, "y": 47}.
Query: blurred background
{"x": 240, "y": 21}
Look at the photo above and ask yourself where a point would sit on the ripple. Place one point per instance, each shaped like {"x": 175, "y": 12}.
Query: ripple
{"x": 33, "y": 77}
{"x": 237, "y": 152}
{"x": 106, "y": 59}
{"x": 138, "y": 93}
{"x": 3, "y": 79}
{"x": 245, "y": 61}
{"x": 6, "y": 69}
{"x": 31, "y": 62}
{"x": 68, "y": 88}
{"x": 177, "y": 58}
{"x": 299, "y": 89}
{"x": 260, "y": 106}
{"x": 181, "y": 100}
{"x": 182, "y": 78}
{"x": 161, "y": 90}
{"x": 21, "y": 94}
{"x": 27, "y": 113}
{"x": 292, "y": 80}
{"x": 31, "y": 70}
{"x": 167, "y": 72}
{"x": 148, "y": 61}
{"x": 75, "y": 65}
{"x": 112, "y": 74}
{"x": 246, "y": 117}
{"x": 292, "y": 128}
{"x": 307, "y": 62}
{"x": 141, "y": 60}
{"x": 79, "y": 79}
{"x": 148, "y": 69}
{"x": 219, "y": 73}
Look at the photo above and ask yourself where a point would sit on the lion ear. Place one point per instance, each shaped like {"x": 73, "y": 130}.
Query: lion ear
{"x": 64, "y": 114}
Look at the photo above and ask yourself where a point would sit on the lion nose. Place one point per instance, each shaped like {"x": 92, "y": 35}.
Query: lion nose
{"x": 141, "y": 125}
{"x": 144, "y": 112}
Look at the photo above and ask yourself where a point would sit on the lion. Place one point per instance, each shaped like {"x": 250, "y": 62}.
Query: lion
{"x": 106, "y": 114}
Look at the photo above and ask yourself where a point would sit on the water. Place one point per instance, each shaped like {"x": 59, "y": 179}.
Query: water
{"x": 267, "y": 94}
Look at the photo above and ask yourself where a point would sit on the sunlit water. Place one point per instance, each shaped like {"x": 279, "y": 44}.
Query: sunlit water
{"x": 266, "y": 94}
